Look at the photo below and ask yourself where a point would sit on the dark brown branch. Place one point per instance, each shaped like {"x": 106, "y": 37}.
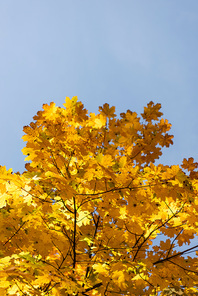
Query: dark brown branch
{"x": 65, "y": 233}
{"x": 173, "y": 256}
{"x": 74, "y": 234}
{"x": 156, "y": 228}
{"x": 56, "y": 166}
{"x": 171, "y": 246}
{"x": 92, "y": 288}
{"x": 14, "y": 233}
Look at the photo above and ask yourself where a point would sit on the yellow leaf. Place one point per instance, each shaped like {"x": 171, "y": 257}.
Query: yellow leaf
{"x": 69, "y": 103}
{"x": 119, "y": 277}
{"x": 104, "y": 160}
{"x": 101, "y": 268}
{"x": 122, "y": 161}
{"x": 123, "y": 212}
{"x": 43, "y": 279}
{"x": 83, "y": 218}
{"x": 4, "y": 283}
{"x": 109, "y": 112}
{"x": 3, "y": 200}
{"x": 12, "y": 290}
{"x": 96, "y": 121}
{"x": 181, "y": 177}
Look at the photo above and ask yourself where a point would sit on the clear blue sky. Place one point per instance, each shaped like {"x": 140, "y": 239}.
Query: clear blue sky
{"x": 125, "y": 53}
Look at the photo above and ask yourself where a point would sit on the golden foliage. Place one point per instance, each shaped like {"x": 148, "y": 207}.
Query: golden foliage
{"x": 83, "y": 217}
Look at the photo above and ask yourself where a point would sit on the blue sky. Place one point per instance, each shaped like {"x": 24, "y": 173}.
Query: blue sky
{"x": 125, "y": 53}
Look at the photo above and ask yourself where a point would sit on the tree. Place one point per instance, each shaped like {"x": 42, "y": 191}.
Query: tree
{"x": 84, "y": 216}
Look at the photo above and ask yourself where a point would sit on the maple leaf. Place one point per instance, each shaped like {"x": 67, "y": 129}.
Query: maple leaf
{"x": 101, "y": 268}
{"x": 83, "y": 218}
{"x": 151, "y": 112}
{"x": 107, "y": 111}
{"x": 189, "y": 164}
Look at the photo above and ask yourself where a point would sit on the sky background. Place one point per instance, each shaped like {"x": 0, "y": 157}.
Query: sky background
{"x": 125, "y": 53}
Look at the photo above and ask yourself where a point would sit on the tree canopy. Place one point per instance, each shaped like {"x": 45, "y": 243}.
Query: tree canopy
{"x": 92, "y": 214}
